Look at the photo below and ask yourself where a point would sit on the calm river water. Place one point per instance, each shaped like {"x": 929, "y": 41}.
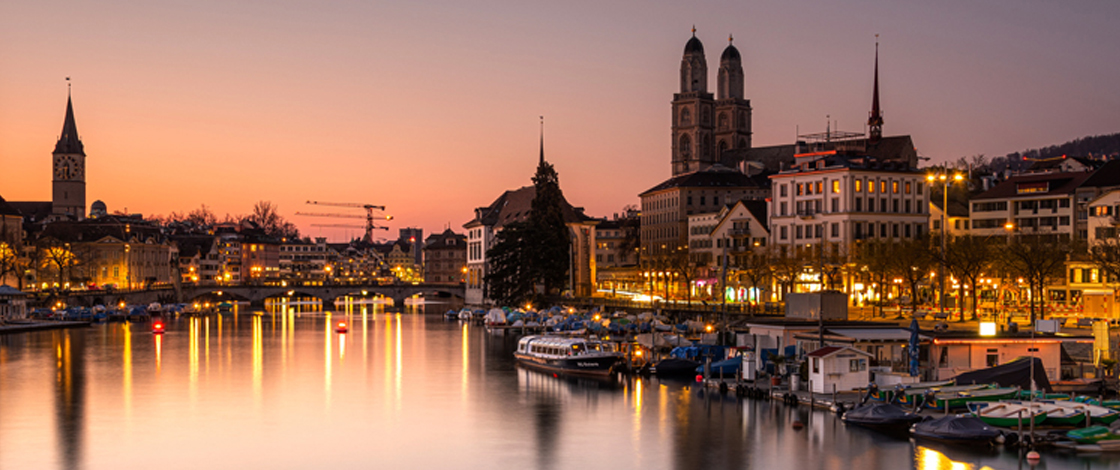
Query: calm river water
{"x": 400, "y": 390}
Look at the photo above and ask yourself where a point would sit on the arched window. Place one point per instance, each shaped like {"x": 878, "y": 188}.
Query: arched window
{"x": 686, "y": 145}
{"x": 722, "y": 120}
{"x": 686, "y": 117}
{"x": 722, "y": 147}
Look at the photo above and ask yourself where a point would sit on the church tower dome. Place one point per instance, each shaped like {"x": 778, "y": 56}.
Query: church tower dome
{"x": 730, "y": 78}
{"x": 694, "y": 68}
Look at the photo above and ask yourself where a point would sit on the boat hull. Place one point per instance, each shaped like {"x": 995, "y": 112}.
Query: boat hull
{"x": 595, "y": 366}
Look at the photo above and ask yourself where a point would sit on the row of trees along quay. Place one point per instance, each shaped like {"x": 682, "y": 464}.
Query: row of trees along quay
{"x": 529, "y": 260}
{"x": 1035, "y": 261}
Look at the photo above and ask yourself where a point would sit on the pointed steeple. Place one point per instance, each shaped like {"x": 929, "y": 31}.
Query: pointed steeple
{"x": 68, "y": 141}
{"x": 542, "y": 140}
{"x": 875, "y": 121}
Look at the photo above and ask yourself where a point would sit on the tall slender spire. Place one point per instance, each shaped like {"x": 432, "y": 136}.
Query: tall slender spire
{"x": 875, "y": 121}
{"x": 542, "y": 140}
{"x": 68, "y": 141}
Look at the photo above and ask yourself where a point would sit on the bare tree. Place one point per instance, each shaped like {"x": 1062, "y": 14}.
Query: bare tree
{"x": 1106, "y": 255}
{"x": 55, "y": 257}
{"x": 911, "y": 260}
{"x": 785, "y": 266}
{"x": 754, "y": 267}
{"x": 267, "y": 216}
{"x": 968, "y": 257}
{"x": 10, "y": 263}
{"x": 1038, "y": 260}
{"x": 874, "y": 258}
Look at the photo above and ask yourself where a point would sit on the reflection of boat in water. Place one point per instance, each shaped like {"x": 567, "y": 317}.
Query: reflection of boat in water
{"x": 575, "y": 356}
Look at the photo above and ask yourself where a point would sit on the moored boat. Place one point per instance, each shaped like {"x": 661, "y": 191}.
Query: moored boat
{"x": 575, "y": 356}
{"x": 963, "y": 398}
{"x": 1007, "y": 415}
{"x": 1098, "y": 414}
{"x": 675, "y": 367}
{"x": 881, "y": 416}
{"x": 1093, "y": 435}
{"x": 887, "y": 394}
{"x": 967, "y": 430}
{"x": 911, "y": 396}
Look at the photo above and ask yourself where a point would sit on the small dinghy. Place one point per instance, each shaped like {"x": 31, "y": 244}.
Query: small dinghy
{"x": 1007, "y": 415}
{"x": 967, "y": 430}
{"x": 881, "y": 416}
{"x": 1098, "y": 414}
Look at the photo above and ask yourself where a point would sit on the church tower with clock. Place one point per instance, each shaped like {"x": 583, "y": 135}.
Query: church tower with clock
{"x": 69, "y": 170}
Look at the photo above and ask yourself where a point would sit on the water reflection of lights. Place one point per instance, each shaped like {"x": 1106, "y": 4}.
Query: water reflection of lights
{"x": 327, "y": 359}
{"x": 126, "y": 330}
{"x": 929, "y": 459}
{"x": 159, "y": 351}
{"x": 464, "y": 339}
{"x": 399, "y": 370}
{"x": 258, "y": 359}
{"x": 192, "y": 356}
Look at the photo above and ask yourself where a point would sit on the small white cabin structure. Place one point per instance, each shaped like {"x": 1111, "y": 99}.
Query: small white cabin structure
{"x": 13, "y": 304}
{"x": 842, "y": 366}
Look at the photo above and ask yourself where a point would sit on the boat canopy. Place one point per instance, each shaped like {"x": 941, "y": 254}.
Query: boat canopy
{"x": 1016, "y": 373}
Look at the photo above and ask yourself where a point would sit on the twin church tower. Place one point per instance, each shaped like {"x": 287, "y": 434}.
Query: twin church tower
{"x": 706, "y": 127}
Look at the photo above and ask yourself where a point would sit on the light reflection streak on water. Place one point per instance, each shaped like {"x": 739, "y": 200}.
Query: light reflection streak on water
{"x": 206, "y": 342}
{"x": 399, "y": 370}
{"x": 327, "y": 360}
{"x": 365, "y": 337}
{"x": 258, "y": 359}
{"x": 464, "y": 339}
{"x": 663, "y": 411}
{"x": 637, "y": 426}
{"x": 929, "y": 459}
{"x": 388, "y": 355}
{"x": 192, "y": 357}
{"x": 341, "y": 347}
{"x": 126, "y": 373}
{"x": 159, "y": 352}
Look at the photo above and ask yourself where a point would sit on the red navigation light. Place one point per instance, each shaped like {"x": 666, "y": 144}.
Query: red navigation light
{"x": 157, "y": 327}
{"x": 341, "y": 328}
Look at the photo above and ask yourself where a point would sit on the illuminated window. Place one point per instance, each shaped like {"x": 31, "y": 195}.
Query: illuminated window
{"x": 820, "y": 187}
{"x": 870, "y": 187}
{"x": 883, "y": 187}
{"x": 835, "y": 186}
{"x": 859, "y": 185}
{"x": 907, "y": 187}
{"x": 894, "y": 187}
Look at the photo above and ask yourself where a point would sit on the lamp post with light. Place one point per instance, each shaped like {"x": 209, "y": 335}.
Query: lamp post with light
{"x": 945, "y": 179}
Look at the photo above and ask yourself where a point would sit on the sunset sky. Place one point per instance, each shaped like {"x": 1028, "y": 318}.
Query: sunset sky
{"x": 431, "y": 108}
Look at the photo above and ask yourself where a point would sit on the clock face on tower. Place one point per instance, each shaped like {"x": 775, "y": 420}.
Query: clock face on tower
{"x": 67, "y": 168}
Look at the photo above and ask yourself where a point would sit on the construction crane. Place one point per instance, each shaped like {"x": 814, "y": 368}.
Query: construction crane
{"x": 369, "y": 227}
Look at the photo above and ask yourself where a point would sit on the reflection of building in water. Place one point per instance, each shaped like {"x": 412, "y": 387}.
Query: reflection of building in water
{"x": 70, "y": 381}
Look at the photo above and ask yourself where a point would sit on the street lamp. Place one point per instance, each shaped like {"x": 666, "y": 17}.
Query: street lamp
{"x": 945, "y": 179}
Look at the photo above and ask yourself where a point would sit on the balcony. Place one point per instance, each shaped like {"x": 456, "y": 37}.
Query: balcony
{"x": 806, "y": 214}
{"x": 739, "y": 232}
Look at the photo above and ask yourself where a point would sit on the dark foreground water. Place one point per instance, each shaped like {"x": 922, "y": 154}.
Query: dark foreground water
{"x": 400, "y": 391}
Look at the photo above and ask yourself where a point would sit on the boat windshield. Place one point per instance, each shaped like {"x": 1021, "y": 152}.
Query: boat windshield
{"x": 577, "y": 348}
{"x": 596, "y": 347}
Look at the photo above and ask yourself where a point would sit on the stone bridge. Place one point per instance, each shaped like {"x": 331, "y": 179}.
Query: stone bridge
{"x": 256, "y": 295}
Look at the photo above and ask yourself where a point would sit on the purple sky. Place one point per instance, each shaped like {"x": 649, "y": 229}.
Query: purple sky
{"x": 431, "y": 107}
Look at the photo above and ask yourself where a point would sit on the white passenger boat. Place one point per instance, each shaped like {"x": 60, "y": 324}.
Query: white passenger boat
{"x": 575, "y": 356}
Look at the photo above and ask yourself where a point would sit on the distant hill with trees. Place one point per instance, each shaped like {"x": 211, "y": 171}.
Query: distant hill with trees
{"x": 1095, "y": 146}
